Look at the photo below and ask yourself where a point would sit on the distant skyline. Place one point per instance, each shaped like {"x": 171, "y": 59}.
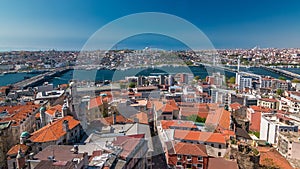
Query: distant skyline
{"x": 67, "y": 25}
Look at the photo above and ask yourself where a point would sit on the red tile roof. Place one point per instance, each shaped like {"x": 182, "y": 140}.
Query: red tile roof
{"x": 168, "y": 106}
{"x": 14, "y": 150}
{"x": 221, "y": 163}
{"x": 17, "y": 114}
{"x": 219, "y": 118}
{"x": 271, "y": 157}
{"x": 188, "y": 111}
{"x": 119, "y": 120}
{"x": 52, "y": 110}
{"x": 255, "y": 121}
{"x": 127, "y": 143}
{"x": 261, "y": 109}
{"x": 199, "y": 136}
{"x": 53, "y": 131}
{"x": 142, "y": 117}
{"x": 235, "y": 106}
{"x": 167, "y": 124}
{"x": 95, "y": 102}
{"x": 190, "y": 149}
{"x": 269, "y": 100}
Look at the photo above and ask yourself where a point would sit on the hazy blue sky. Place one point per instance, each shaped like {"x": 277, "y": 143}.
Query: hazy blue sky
{"x": 36, "y": 24}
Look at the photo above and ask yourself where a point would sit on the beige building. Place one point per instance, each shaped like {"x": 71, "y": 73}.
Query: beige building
{"x": 289, "y": 144}
{"x": 268, "y": 103}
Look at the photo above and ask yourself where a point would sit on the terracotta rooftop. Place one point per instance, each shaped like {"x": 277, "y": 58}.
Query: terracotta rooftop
{"x": 199, "y": 136}
{"x": 261, "y": 109}
{"x": 14, "y": 150}
{"x": 52, "y": 110}
{"x": 190, "y": 149}
{"x": 221, "y": 163}
{"x": 142, "y": 118}
{"x": 119, "y": 120}
{"x": 128, "y": 144}
{"x": 95, "y": 102}
{"x": 17, "y": 114}
{"x": 53, "y": 131}
{"x": 270, "y": 157}
{"x": 235, "y": 106}
{"x": 188, "y": 111}
{"x": 165, "y": 106}
{"x": 167, "y": 124}
{"x": 255, "y": 121}
{"x": 269, "y": 100}
{"x": 219, "y": 118}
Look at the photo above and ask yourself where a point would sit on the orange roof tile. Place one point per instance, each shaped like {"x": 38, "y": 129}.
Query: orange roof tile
{"x": 271, "y": 157}
{"x": 142, "y": 117}
{"x": 119, "y": 120}
{"x": 14, "y": 150}
{"x": 235, "y": 105}
{"x": 188, "y": 111}
{"x": 255, "y": 121}
{"x": 219, "y": 118}
{"x": 18, "y": 113}
{"x": 95, "y": 102}
{"x": 168, "y": 106}
{"x": 53, "y": 131}
{"x": 167, "y": 124}
{"x": 199, "y": 136}
{"x": 190, "y": 149}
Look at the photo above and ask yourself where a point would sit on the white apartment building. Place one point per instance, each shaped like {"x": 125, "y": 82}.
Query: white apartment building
{"x": 272, "y": 124}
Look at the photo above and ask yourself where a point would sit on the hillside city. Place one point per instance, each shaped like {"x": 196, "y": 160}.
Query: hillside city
{"x": 159, "y": 121}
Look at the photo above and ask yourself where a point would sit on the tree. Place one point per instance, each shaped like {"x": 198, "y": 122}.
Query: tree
{"x": 196, "y": 118}
{"x": 132, "y": 85}
{"x": 197, "y": 78}
{"x": 279, "y": 92}
{"x": 189, "y": 63}
{"x": 232, "y": 80}
{"x": 281, "y": 78}
{"x": 296, "y": 81}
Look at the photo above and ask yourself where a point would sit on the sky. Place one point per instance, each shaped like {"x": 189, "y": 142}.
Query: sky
{"x": 67, "y": 25}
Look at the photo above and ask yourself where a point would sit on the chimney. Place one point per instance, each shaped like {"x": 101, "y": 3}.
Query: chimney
{"x": 20, "y": 160}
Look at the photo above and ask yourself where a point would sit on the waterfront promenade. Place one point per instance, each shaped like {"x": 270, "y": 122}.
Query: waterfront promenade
{"x": 31, "y": 82}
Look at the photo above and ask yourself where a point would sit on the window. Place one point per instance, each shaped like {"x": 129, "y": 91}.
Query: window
{"x": 179, "y": 156}
{"x": 189, "y": 157}
{"x": 200, "y": 158}
{"x": 219, "y": 154}
{"x": 188, "y": 165}
{"x": 220, "y": 146}
{"x": 179, "y": 163}
{"x": 199, "y": 165}
{"x": 212, "y": 145}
